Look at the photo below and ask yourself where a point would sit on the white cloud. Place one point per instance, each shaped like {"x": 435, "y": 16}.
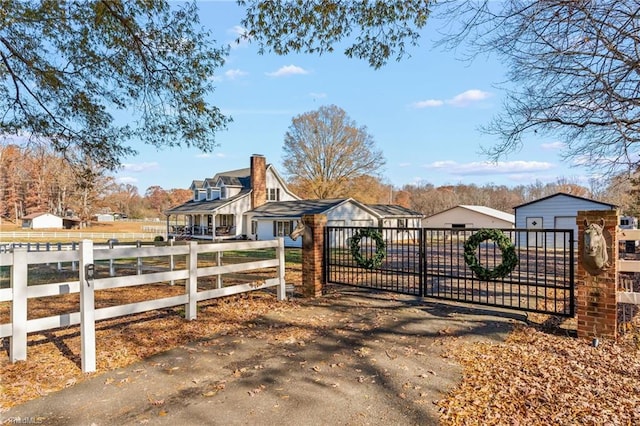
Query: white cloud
{"x": 140, "y": 167}
{"x": 488, "y": 168}
{"x": 127, "y": 179}
{"x": 461, "y": 100}
{"x": 288, "y": 70}
{"x": 429, "y": 103}
{"x": 238, "y": 41}
{"x": 466, "y": 98}
{"x": 236, "y": 73}
{"x": 553, "y": 145}
{"x": 318, "y": 95}
{"x": 209, "y": 155}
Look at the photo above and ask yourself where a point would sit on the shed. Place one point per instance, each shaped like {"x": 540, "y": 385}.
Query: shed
{"x": 104, "y": 217}
{"x": 555, "y": 212}
{"x": 466, "y": 216}
{"x": 42, "y": 221}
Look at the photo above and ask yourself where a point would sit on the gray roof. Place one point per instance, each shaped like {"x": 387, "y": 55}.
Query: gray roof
{"x": 205, "y": 206}
{"x": 295, "y": 209}
{"x": 611, "y": 206}
{"x": 386, "y": 210}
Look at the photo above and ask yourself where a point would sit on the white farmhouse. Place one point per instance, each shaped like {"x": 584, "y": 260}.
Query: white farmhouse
{"x": 255, "y": 203}
{"x": 219, "y": 204}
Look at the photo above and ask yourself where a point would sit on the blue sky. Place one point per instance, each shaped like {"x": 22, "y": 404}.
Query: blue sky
{"x": 423, "y": 113}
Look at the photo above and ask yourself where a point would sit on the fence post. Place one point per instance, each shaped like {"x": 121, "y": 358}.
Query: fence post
{"x": 282, "y": 286}
{"x": 191, "y": 308}
{"x": 596, "y": 305}
{"x": 138, "y": 245}
{"x": 73, "y": 262}
{"x": 19, "y": 280}
{"x": 172, "y": 262}
{"x": 312, "y": 254}
{"x": 112, "y": 269}
{"x": 87, "y": 307}
{"x": 59, "y": 263}
{"x": 219, "y": 263}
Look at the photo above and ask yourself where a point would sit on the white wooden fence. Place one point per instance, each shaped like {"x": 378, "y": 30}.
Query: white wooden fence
{"x": 19, "y": 292}
{"x": 75, "y": 235}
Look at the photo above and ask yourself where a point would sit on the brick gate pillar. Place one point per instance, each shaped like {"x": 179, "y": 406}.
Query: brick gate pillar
{"x": 596, "y": 307}
{"x": 312, "y": 254}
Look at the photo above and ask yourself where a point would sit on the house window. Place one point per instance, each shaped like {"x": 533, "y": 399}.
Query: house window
{"x": 226, "y": 219}
{"x": 273, "y": 194}
{"x": 402, "y": 223}
{"x": 624, "y": 222}
{"x": 254, "y": 227}
{"x": 458, "y": 225}
{"x": 223, "y": 193}
{"x": 282, "y": 228}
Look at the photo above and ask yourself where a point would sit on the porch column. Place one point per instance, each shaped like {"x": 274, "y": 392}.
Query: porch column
{"x": 312, "y": 254}
{"x": 596, "y": 305}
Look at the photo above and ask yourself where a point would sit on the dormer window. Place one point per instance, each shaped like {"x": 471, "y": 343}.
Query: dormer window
{"x": 273, "y": 194}
{"x": 223, "y": 193}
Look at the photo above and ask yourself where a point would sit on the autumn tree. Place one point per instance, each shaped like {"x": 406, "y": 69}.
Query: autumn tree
{"x": 10, "y": 182}
{"x": 69, "y": 67}
{"x": 572, "y": 73}
{"x": 157, "y": 199}
{"x": 123, "y": 198}
{"x": 324, "y": 151}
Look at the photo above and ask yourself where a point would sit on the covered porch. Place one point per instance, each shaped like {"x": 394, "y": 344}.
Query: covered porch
{"x": 203, "y": 226}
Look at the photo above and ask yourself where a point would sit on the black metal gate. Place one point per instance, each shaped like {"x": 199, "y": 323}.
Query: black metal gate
{"x": 429, "y": 262}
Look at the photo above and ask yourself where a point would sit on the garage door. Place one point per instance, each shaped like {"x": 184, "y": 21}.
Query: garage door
{"x": 566, "y": 222}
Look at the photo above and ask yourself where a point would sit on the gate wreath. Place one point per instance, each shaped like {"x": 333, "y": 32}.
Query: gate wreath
{"x": 376, "y": 260}
{"x": 509, "y": 257}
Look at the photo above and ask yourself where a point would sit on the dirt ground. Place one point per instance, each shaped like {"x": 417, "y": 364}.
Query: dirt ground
{"x": 351, "y": 358}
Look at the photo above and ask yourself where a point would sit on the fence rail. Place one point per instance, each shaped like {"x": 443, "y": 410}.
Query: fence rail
{"x": 70, "y": 235}
{"x": 89, "y": 256}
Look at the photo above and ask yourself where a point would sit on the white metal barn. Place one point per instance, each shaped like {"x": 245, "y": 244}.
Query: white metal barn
{"x": 557, "y": 211}
{"x": 465, "y": 216}
{"x": 42, "y": 221}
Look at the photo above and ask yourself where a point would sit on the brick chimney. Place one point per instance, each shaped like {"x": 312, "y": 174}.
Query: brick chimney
{"x": 258, "y": 180}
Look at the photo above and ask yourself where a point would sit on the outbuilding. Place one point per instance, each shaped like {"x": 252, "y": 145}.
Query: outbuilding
{"x": 554, "y": 212}
{"x": 466, "y": 216}
{"x": 42, "y": 221}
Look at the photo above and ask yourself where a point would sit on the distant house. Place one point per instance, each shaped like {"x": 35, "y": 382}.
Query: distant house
{"x": 255, "y": 203}
{"x": 42, "y": 221}
{"x": 468, "y": 216}
{"x": 557, "y": 211}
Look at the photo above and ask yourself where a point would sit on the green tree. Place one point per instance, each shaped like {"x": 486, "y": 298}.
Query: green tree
{"x": 324, "y": 151}
{"x": 378, "y": 30}
{"x": 71, "y": 70}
